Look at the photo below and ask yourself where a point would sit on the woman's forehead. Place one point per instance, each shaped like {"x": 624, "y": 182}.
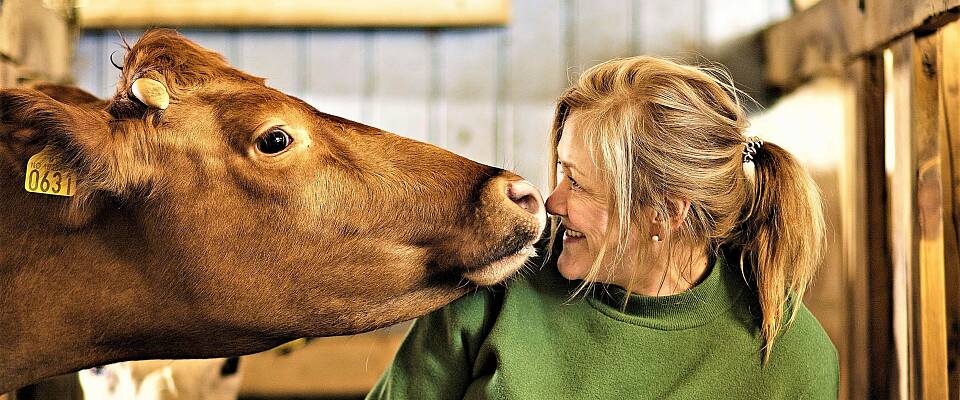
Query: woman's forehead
{"x": 571, "y": 150}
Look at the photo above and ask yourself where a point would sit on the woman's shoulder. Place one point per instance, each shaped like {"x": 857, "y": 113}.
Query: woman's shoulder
{"x": 805, "y": 333}
{"x": 806, "y": 351}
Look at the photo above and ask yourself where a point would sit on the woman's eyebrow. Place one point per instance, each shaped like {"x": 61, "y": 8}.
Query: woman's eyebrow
{"x": 570, "y": 166}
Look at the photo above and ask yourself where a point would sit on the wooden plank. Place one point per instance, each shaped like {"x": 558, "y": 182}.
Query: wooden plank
{"x": 819, "y": 40}
{"x": 399, "y": 83}
{"x": 870, "y": 120}
{"x": 468, "y": 87}
{"x": 899, "y": 160}
{"x": 281, "y": 67}
{"x": 950, "y": 95}
{"x": 917, "y": 216}
{"x": 336, "y": 72}
{"x": 293, "y": 13}
{"x": 930, "y": 302}
{"x": 866, "y": 269}
{"x": 535, "y": 76}
{"x": 333, "y": 366}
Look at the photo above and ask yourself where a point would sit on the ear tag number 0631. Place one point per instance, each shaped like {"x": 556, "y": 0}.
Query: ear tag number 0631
{"x": 46, "y": 177}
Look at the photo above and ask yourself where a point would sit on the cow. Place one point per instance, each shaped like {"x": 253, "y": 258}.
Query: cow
{"x": 203, "y": 379}
{"x": 214, "y": 216}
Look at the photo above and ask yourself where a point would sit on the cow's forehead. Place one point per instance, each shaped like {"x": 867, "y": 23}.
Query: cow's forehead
{"x": 179, "y": 62}
{"x": 247, "y": 105}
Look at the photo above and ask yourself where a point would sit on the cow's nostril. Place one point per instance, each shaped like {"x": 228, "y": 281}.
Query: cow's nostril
{"x": 525, "y": 195}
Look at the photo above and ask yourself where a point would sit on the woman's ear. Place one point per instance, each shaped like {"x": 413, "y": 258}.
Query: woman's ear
{"x": 679, "y": 208}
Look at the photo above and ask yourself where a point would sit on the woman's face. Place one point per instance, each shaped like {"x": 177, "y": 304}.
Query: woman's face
{"x": 581, "y": 203}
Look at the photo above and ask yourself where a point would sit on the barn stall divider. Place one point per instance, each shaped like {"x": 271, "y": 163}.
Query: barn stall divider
{"x": 899, "y": 67}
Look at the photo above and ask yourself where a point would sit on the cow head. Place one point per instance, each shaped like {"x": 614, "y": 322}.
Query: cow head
{"x": 259, "y": 216}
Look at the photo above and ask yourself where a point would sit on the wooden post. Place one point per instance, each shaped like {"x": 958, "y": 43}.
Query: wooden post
{"x": 950, "y": 173}
{"x": 864, "y": 222}
{"x": 921, "y": 220}
{"x": 928, "y": 143}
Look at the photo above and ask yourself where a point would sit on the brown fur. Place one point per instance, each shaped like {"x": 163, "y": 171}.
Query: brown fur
{"x": 184, "y": 242}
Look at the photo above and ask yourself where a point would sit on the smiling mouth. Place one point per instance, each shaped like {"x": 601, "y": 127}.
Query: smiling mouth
{"x": 572, "y": 235}
{"x": 501, "y": 269}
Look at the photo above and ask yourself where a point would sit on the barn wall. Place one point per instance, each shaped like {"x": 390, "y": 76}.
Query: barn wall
{"x": 36, "y": 41}
{"x": 489, "y": 93}
{"x": 486, "y": 93}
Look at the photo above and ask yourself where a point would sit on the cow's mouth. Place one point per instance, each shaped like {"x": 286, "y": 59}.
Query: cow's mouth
{"x": 501, "y": 269}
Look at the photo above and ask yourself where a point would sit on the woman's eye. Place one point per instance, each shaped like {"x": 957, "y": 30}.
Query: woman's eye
{"x": 574, "y": 184}
{"x": 274, "y": 141}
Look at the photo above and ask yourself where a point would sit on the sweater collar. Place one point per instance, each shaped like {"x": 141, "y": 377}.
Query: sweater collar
{"x": 711, "y": 298}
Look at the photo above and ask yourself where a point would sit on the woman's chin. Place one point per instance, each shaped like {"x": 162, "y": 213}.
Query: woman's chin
{"x": 571, "y": 269}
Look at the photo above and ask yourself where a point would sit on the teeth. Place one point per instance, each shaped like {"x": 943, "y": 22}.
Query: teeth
{"x": 572, "y": 233}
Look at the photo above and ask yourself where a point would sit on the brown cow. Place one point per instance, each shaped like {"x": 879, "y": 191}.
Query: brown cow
{"x": 215, "y": 216}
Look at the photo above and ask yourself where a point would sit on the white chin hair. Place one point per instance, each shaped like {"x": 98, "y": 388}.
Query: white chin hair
{"x": 501, "y": 269}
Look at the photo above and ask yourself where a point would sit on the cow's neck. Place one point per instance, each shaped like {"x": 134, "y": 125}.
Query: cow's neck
{"x": 68, "y": 295}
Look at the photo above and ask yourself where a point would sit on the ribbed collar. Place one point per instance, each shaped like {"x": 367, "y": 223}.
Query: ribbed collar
{"x": 710, "y": 299}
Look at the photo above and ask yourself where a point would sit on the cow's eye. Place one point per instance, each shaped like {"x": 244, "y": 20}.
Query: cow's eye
{"x": 274, "y": 141}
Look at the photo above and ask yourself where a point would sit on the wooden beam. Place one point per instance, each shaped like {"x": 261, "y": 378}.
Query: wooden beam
{"x": 950, "y": 98}
{"x": 292, "y": 13}
{"x": 927, "y": 123}
{"x": 899, "y": 161}
{"x": 865, "y": 218}
{"x": 814, "y": 41}
{"x": 832, "y": 33}
{"x": 329, "y": 367}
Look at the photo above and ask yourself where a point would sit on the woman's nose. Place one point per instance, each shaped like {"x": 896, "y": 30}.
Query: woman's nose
{"x": 556, "y": 204}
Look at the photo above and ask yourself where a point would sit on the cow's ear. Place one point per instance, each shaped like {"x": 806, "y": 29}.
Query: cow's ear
{"x": 70, "y": 95}
{"x": 31, "y": 120}
{"x": 78, "y": 137}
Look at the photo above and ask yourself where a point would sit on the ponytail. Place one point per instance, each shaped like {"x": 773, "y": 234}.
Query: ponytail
{"x": 780, "y": 235}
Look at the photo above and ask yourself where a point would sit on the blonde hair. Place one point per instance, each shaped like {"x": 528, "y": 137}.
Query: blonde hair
{"x": 659, "y": 131}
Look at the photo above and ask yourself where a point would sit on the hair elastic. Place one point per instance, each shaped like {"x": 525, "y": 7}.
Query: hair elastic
{"x": 750, "y": 148}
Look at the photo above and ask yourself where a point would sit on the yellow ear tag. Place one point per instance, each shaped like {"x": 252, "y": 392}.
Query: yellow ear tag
{"x": 45, "y": 177}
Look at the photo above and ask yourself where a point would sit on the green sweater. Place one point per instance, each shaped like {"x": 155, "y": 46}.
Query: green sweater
{"x": 530, "y": 341}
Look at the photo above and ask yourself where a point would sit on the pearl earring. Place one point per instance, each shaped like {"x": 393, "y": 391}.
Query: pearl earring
{"x": 656, "y": 238}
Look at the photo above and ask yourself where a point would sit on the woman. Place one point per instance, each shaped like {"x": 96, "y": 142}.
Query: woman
{"x": 686, "y": 248}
